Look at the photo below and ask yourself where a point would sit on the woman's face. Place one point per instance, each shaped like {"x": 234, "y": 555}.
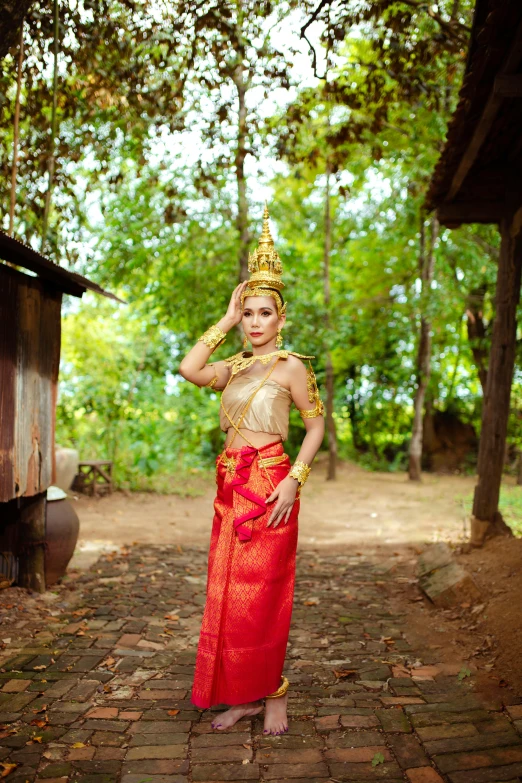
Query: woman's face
{"x": 260, "y": 320}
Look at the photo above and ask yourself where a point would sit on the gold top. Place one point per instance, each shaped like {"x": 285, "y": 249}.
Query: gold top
{"x": 268, "y": 411}
{"x": 272, "y": 406}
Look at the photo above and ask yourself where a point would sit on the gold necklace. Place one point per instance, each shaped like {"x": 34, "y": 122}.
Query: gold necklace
{"x": 239, "y": 362}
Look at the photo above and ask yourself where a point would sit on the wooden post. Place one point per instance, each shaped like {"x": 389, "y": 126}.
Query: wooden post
{"x": 32, "y": 543}
{"x": 486, "y": 520}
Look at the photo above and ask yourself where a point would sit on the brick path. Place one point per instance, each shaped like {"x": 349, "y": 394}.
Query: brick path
{"x": 106, "y": 696}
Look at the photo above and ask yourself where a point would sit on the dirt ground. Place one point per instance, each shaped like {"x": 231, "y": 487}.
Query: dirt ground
{"x": 360, "y": 506}
{"x": 383, "y": 512}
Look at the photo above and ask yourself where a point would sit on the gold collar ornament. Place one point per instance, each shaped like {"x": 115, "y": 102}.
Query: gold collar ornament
{"x": 265, "y": 269}
{"x": 244, "y": 359}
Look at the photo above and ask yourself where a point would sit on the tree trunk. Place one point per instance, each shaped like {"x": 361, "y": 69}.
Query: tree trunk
{"x": 242, "y": 203}
{"x": 32, "y": 543}
{"x": 51, "y": 159}
{"x": 14, "y": 167}
{"x": 330, "y": 380}
{"x": 426, "y": 264}
{"x": 11, "y": 20}
{"x": 486, "y": 520}
{"x": 477, "y": 332}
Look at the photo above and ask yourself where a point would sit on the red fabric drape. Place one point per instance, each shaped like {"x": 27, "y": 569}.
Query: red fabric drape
{"x": 250, "y": 588}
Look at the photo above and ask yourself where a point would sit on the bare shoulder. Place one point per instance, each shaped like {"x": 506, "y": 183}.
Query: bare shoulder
{"x": 297, "y": 369}
{"x": 295, "y": 364}
{"x": 298, "y": 362}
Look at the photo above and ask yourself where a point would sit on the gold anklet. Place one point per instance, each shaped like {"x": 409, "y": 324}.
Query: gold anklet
{"x": 281, "y": 690}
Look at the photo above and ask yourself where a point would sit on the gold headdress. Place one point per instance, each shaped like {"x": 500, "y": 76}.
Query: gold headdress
{"x": 265, "y": 269}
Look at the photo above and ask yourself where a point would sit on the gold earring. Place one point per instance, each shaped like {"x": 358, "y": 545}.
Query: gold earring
{"x": 245, "y": 342}
{"x": 279, "y": 339}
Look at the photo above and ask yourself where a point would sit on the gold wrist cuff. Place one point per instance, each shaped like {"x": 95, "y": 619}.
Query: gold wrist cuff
{"x": 281, "y": 690}
{"x": 213, "y": 337}
{"x": 300, "y": 471}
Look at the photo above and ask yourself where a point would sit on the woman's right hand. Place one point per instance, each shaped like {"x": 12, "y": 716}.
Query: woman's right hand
{"x": 234, "y": 312}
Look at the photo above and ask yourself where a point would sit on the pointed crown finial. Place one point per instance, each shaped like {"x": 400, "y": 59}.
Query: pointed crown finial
{"x": 264, "y": 263}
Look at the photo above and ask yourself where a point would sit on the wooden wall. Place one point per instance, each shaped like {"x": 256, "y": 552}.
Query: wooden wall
{"x": 29, "y": 362}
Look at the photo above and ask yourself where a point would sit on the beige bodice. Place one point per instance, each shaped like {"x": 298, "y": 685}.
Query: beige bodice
{"x": 268, "y": 412}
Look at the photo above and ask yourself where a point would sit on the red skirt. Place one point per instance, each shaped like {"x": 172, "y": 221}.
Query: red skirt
{"x": 250, "y": 587}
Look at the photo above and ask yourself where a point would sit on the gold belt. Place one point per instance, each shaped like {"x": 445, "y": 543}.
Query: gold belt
{"x": 266, "y": 462}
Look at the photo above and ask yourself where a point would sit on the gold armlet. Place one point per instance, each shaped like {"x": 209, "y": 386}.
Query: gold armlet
{"x": 313, "y": 396}
{"x": 311, "y": 414}
{"x": 300, "y": 471}
{"x": 211, "y": 383}
{"x": 213, "y": 337}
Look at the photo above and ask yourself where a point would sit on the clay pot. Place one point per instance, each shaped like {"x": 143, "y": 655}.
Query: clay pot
{"x": 61, "y": 534}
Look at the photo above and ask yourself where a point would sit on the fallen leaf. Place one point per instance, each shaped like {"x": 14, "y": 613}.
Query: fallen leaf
{"x": 43, "y": 708}
{"x": 79, "y": 745}
{"x": 172, "y": 617}
{"x": 342, "y": 674}
{"x": 6, "y": 768}
{"x": 378, "y": 759}
{"x": 39, "y": 668}
{"x": 172, "y": 712}
{"x": 39, "y": 723}
{"x": 464, "y": 672}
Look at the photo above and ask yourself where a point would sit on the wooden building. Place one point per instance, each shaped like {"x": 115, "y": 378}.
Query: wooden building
{"x": 30, "y": 309}
{"x": 478, "y": 179}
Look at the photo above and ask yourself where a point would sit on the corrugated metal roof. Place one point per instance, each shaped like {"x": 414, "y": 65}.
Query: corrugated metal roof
{"x": 16, "y": 252}
{"x": 493, "y": 50}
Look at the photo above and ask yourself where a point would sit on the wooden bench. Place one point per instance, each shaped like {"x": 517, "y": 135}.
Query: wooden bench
{"x": 94, "y": 477}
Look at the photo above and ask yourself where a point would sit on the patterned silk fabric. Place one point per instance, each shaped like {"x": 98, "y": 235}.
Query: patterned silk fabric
{"x": 250, "y": 588}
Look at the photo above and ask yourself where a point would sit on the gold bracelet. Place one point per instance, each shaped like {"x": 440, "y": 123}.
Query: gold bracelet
{"x": 300, "y": 471}
{"x": 213, "y": 337}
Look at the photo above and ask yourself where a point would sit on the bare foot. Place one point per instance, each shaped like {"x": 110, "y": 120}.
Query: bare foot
{"x": 276, "y": 721}
{"x": 227, "y": 719}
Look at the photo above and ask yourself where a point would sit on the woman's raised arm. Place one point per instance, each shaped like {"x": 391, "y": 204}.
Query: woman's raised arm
{"x": 193, "y": 366}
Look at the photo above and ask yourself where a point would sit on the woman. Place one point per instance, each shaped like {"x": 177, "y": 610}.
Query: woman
{"x": 251, "y": 566}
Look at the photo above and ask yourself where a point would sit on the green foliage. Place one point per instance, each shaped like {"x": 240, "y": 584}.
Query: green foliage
{"x": 120, "y": 400}
{"x": 141, "y": 86}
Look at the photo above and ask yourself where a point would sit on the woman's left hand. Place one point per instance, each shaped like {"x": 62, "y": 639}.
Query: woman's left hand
{"x": 285, "y": 492}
